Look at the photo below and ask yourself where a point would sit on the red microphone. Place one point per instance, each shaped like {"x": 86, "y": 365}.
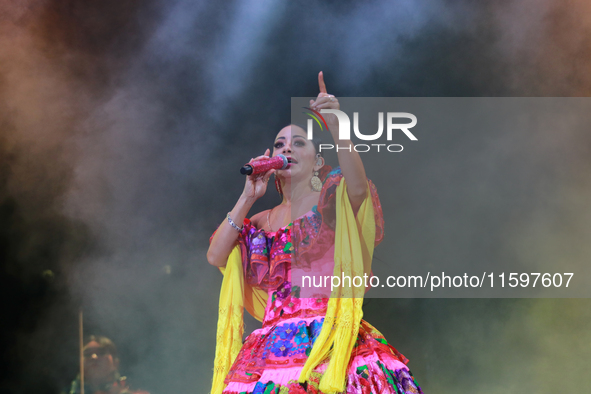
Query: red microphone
{"x": 278, "y": 162}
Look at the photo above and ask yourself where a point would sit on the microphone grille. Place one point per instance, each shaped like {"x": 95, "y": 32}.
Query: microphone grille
{"x": 285, "y": 162}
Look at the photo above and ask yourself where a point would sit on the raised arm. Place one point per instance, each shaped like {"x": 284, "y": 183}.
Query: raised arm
{"x": 226, "y": 235}
{"x": 349, "y": 160}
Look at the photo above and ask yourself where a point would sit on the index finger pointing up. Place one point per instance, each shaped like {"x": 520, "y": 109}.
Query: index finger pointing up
{"x": 321, "y": 82}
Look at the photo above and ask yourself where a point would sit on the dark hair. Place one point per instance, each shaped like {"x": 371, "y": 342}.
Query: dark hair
{"x": 104, "y": 343}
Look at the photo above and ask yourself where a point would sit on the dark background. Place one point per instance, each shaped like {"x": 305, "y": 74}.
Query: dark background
{"x": 122, "y": 124}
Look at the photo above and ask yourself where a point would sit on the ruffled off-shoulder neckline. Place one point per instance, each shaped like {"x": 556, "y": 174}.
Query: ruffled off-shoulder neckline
{"x": 311, "y": 212}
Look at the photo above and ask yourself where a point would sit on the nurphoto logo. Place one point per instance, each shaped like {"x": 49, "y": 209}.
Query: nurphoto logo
{"x": 392, "y": 125}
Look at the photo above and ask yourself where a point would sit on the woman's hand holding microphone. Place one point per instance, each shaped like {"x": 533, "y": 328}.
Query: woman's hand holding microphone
{"x": 256, "y": 184}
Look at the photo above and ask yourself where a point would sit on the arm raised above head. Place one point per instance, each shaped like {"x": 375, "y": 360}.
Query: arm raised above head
{"x": 349, "y": 159}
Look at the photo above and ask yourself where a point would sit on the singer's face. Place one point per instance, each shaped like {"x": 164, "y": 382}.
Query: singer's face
{"x": 293, "y": 144}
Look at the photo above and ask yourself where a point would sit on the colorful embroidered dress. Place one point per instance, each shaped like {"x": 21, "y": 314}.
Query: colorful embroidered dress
{"x": 271, "y": 358}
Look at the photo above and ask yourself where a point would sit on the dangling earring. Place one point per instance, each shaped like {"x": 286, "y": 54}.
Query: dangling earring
{"x": 316, "y": 182}
{"x": 278, "y": 186}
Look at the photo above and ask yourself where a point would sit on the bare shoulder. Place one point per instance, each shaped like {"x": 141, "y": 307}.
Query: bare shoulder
{"x": 258, "y": 220}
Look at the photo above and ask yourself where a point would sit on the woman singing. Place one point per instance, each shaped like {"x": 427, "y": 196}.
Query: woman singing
{"x": 328, "y": 223}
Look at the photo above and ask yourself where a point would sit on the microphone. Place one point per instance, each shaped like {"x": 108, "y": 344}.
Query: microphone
{"x": 278, "y": 162}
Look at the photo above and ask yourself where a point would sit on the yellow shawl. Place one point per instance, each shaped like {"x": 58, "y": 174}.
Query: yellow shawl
{"x": 354, "y": 244}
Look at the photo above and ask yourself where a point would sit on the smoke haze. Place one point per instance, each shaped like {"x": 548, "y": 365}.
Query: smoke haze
{"x": 121, "y": 127}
